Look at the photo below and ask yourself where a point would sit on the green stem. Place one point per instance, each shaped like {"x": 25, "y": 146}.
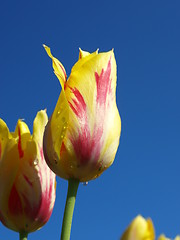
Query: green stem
{"x": 23, "y": 236}
{"x": 69, "y": 209}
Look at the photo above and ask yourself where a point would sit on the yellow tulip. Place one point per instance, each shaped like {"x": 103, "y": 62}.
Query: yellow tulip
{"x": 163, "y": 237}
{"x": 27, "y": 185}
{"x": 82, "y": 135}
{"x": 139, "y": 229}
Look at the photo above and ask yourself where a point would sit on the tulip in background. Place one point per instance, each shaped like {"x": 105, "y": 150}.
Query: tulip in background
{"x": 139, "y": 229}
{"x": 82, "y": 135}
{"x": 27, "y": 190}
{"x": 142, "y": 229}
{"x": 162, "y": 237}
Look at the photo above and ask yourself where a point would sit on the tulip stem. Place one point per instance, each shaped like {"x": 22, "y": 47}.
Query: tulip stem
{"x": 23, "y": 236}
{"x": 69, "y": 208}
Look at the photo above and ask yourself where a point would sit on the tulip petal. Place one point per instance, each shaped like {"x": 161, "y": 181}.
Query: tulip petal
{"x": 9, "y": 166}
{"x": 83, "y": 58}
{"x": 22, "y": 134}
{"x": 59, "y": 118}
{"x": 4, "y": 135}
{"x": 58, "y": 67}
{"x": 40, "y": 122}
{"x": 82, "y": 53}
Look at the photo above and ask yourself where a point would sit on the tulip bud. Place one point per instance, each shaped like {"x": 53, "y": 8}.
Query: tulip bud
{"x": 27, "y": 185}
{"x": 82, "y": 135}
{"x": 163, "y": 237}
{"x": 139, "y": 229}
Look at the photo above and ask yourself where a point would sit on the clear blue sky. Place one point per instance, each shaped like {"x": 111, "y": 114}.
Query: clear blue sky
{"x": 145, "y": 176}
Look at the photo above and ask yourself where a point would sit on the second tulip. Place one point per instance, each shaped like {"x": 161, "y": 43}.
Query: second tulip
{"x": 82, "y": 135}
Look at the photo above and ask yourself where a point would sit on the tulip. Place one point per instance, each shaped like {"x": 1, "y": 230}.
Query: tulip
{"x": 82, "y": 135}
{"x": 27, "y": 185}
{"x": 139, "y": 229}
{"x": 163, "y": 237}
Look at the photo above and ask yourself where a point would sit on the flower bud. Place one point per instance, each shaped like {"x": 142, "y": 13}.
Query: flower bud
{"x": 82, "y": 135}
{"x": 27, "y": 185}
{"x": 139, "y": 229}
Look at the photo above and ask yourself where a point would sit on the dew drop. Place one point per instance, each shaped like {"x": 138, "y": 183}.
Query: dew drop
{"x": 35, "y": 162}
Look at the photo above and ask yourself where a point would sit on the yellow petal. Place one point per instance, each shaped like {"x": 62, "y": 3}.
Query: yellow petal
{"x": 57, "y": 125}
{"x": 139, "y": 229}
{"x": 82, "y": 53}
{"x": 9, "y": 166}
{"x": 60, "y": 116}
{"x": 58, "y": 67}
{"x": 22, "y": 135}
{"x": 85, "y": 72}
{"x": 4, "y": 136}
{"x": 40, "y": 122}
{"x": 163, "y": 237}
{"x": 83, "y": 58}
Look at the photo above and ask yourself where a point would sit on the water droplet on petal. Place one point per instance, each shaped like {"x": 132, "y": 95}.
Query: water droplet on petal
{"x": 35, "y": 162}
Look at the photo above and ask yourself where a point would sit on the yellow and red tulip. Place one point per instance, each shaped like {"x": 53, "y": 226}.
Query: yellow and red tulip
{"x": 27, "y": 185}
{"x": 82, "y": 135}
{"x": 139, "y": 229}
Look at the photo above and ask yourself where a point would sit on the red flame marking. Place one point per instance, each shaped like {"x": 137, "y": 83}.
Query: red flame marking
{"x": 21, "y": 152}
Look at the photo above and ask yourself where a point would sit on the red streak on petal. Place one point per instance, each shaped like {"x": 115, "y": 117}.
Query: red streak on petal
{"x": 27, "y": 180}
{"x": 63, "y": 148}
{"x": 65, "y": 76}
{"x": 87, "y": 147}
{"x": 14, "y": 203}
{"x": 41, "y": 152}
{"x": 79, "y": 105}
{"x": 21, "y": 152}
{"x": 103, "y": 83}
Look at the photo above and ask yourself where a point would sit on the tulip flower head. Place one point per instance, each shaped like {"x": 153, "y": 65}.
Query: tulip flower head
{"x": 163, "y": 237}
{"x": 82, "y": 135}
{"x": 27, "y": 185}
{"x": 139, "y": 229}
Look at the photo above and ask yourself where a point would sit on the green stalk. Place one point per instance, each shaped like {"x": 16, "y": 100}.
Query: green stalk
{"x": 69, "y": 209}
{"x": 23, "y": 236}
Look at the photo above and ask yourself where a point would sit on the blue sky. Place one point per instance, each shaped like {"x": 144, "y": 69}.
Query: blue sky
{"x": 145, "y": 35}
